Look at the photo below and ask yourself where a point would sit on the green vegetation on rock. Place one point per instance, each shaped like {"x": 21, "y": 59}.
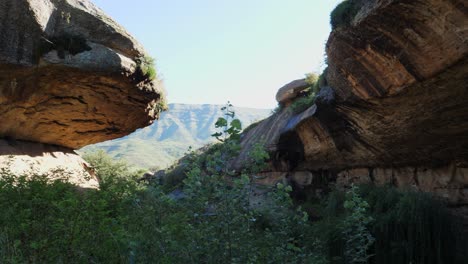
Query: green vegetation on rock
{"x": 145, "y": 67}
{"x": 316, "y": 82}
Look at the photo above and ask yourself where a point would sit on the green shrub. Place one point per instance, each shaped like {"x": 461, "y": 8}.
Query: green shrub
{"x": 355, "y": 228}
{"x": 302, "y": 103}
{"x": 312, "y": 78}
{"x": 344, "y": 13}
{"x": 52, "y": 222}
{"x": 145, "y": 66}
{"x": 316, "y": 82}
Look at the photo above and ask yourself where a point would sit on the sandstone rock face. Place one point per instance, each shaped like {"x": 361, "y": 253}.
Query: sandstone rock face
{"x": 394, "y": 44}
{"x": 68, "y": 75}
{"x": 291, "y": 90}
{"x": 449, "y": 182}
{"x": 58, "y": 163}
{"x": 397, "y": 102}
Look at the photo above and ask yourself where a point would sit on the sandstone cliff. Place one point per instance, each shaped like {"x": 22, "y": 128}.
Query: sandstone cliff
{"x": 70, "y": 76}
{"x": 396, "y": 105}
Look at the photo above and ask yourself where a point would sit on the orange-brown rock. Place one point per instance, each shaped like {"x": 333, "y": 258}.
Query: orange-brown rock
{"x": 397, "y": 100}
{"x": 69, "y": 76}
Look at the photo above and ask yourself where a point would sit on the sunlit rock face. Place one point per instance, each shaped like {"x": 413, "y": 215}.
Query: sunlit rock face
{"x": 31, "y": 159}
{"x": 69, "y": 77}
{"x": 396, "y": 108}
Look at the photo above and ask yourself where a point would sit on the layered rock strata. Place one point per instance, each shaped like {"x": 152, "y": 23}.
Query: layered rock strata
{"x": 70, "y": 76}
{"x": 396, "y": 109}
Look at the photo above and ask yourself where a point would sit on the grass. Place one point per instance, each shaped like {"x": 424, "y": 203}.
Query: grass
{"x": 146, "y": 67}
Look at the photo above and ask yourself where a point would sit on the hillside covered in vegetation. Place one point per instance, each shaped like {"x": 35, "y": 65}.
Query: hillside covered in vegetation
{"x": 182, "y": 126}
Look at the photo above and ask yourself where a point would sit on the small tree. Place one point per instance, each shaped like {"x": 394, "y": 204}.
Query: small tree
{"x": 358, "y": 237}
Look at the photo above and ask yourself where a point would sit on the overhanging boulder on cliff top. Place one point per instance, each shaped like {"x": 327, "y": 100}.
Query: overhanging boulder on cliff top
{"x": 69, "y": 75}
{"x": 291, "y": 90}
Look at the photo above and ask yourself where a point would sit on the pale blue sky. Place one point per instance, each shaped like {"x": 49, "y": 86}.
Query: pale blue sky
{"x": 211, "y": 51}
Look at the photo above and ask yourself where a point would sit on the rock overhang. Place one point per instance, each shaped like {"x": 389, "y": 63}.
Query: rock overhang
{"x": 69, "y": 75}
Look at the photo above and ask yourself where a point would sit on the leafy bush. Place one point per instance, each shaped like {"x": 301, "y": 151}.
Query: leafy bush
{"x": 302, "y": 103}
{"x": 52, "y": 222}
{"x": 355, "y": 228}
{"x": 344, "y": 13}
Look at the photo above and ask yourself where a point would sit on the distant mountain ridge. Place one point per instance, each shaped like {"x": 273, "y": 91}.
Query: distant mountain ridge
{"x": 165, "y": 141}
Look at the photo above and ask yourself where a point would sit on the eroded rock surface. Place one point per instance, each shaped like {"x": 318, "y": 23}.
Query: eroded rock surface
{"x": 68, "y": 75}
{"x": 57, "y": 163}
{"x": 397, "y": 101}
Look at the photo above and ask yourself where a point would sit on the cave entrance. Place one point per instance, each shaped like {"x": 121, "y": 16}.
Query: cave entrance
{"x": 290, "y": 151}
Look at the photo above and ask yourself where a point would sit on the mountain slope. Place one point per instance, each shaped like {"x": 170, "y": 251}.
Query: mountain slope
{"x": 182, "y": 126}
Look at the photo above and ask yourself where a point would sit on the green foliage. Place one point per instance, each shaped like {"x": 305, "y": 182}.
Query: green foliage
{"x": 166, "y": 141}
{"x": 312, "y": 78}
{"x": 215, "y": 221}
{"x": 220, "y": 205}
{"x": 45, "y": 221}
{"x": 344, "y": 13}
{"x": 316, "y": 83}
{"x": 302, "y": 103}
{"x": 230, "y": 126}
{"x": 408, "y": 227}
{"x": 414, "y": 227}
{"x": 355, "y": 228}
{"x": 145, "y": 66}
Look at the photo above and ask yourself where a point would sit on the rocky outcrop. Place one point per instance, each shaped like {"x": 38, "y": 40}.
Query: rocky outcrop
{"x": 69, "y": 75}
{"x": 290, "y": 91}
{"x": 397, "y": 101}
{"x": 35, "y": 159}
{"x": 448, "y": 181}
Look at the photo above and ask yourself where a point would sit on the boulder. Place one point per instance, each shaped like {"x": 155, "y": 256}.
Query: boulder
{"x": 291, "y": 91}
{"x": 57, "y": 163}
{"x": 70, "y": 75}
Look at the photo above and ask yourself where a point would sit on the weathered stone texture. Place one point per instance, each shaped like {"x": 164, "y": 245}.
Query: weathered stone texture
{"x": 58, "y": 163}
{"x": 68, "y": 75}
{"x": 396, "y": 110}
